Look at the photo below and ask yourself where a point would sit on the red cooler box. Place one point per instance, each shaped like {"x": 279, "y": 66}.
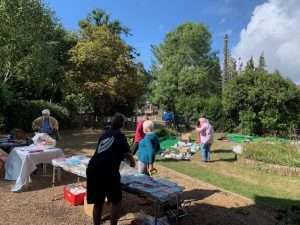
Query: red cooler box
{"x": 74, "y": 194}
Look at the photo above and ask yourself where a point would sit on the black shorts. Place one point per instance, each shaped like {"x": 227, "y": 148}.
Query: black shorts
{"x": 101, "y": 186}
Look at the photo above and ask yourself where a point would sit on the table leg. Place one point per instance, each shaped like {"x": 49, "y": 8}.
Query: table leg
{"x": 53, "y": 176}
{"x": 44, "y": 169}
{"x": 177, "y": 208}
{"x": 58, "y": 174}
{"x": 156, "y": 212}
{"x": 53, "y": 183}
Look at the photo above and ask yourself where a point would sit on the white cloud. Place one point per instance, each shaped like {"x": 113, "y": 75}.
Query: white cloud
{"x": 274, "y": 30}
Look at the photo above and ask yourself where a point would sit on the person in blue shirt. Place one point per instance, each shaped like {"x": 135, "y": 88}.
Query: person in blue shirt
{"x": 168, "y": 118}
{"x": 148, "y": 147}
{"x": 46, "y": 124}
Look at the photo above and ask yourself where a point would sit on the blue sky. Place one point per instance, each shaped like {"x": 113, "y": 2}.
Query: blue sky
{"x": 150, "y": 20}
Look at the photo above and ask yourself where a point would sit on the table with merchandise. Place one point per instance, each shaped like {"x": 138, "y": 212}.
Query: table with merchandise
{"x": 22, "y": 161}
{"x": 161, "y": 192}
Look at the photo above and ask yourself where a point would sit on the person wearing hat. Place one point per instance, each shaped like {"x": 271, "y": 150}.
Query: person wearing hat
{"x": 46, "y": 124}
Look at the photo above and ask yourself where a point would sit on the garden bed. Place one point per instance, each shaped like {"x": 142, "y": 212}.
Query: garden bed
{"x": 273, "y": 168}
{"x": 281, "y": 155}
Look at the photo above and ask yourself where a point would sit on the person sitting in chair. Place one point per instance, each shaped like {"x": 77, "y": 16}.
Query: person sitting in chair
{"x": 46, "y": 124}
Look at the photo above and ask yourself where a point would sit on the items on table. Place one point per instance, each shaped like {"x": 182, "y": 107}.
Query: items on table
{"x": 34, "y": 148}
{"x": 44, "y": 139}
{"x": 16, "y": 138}
{"x": 22, "y": 161}
{"x": 158, "y": 188}
{"x": 76, "y": 164}
{"x": 180, "y": 151}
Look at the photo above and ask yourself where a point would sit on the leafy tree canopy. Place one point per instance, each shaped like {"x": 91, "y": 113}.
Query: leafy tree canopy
{"x": 260, "y": 102}
{"x": 186, "y": 70}
{"x": 33, "y": 47}
{"x": 103, "y": 65}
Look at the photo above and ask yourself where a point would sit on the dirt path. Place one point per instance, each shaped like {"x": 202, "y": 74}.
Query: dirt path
{"x": 212, "y": 206}
{"x": 208, "y": 204}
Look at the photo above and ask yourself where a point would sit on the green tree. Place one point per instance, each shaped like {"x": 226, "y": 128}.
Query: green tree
{"x": 186, "y": 72}
{"x": 260, "y": 102}
{"x": 103, "y": 66}
{"x": 98, "y": 18}
{"x": 232, "y": 68}
{"x": 250, "y": 65}
{"x": 32, "y": 49}
{"x": 262, "y": 62}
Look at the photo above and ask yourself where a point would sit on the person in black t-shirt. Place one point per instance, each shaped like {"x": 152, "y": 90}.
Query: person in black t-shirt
{"x": 103, "y": 177}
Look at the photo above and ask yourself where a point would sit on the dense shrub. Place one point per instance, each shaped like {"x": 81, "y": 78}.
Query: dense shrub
{"x": 211, "y": 107}
{"x": 257, "y": 102}
{"x": 21, "y": 114}
{"x": 5, "y": 97}
{"x": 164, "y": 132}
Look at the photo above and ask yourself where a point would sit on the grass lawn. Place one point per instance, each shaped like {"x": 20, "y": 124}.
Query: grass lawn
{"x": 263, "y": 187}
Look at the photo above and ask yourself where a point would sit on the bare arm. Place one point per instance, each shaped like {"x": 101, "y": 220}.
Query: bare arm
{"x": 130, "y": 158}
{"x": 199, "y": 129}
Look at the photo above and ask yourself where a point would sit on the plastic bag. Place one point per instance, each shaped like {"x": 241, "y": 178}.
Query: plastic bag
{"x": 44, "y": 139}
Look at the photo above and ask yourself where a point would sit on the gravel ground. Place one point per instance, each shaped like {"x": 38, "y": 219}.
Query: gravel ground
{"x": 208, "y": 205}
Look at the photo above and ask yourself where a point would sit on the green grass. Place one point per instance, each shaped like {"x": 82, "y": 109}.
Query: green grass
{"x": 275, "y": 153}
{"x": 261, "y": 193}
{"x": 259, "y": 185}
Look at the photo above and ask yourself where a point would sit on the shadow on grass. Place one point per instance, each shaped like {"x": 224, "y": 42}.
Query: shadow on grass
{"x": 288, "y": 211}
{"x": 224, "y": 160}
{"x": 198, "y": 194}
{"x": 278, "y": 203}
{"x": 171, "y": 160}
{"x": 258, "y": 213}
{"x": 216, "y": 151}
{"x": 200, "y": 212}
{"x": 224, "y": 155}
{"x": 265, "y": 211}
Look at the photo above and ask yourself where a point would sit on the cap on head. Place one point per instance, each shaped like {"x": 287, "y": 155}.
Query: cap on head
{"x": 46, "y": 112}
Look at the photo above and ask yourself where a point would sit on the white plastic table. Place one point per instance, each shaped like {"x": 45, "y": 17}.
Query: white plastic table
{"x": 22, "y": 161}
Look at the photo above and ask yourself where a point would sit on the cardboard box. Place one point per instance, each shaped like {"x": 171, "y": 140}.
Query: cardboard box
{"x": 88, "y": 209}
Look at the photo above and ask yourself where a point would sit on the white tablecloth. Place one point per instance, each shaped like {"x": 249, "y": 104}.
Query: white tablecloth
{"x": 76, "y": 164}
{"x": 22, "y": 161}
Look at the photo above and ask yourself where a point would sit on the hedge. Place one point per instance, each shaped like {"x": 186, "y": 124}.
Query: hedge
{"x": 21, "y": 114}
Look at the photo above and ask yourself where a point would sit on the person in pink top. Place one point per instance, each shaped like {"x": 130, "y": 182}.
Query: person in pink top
{"x": 206, "y": 138}
{"x": 139, "y": 133}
